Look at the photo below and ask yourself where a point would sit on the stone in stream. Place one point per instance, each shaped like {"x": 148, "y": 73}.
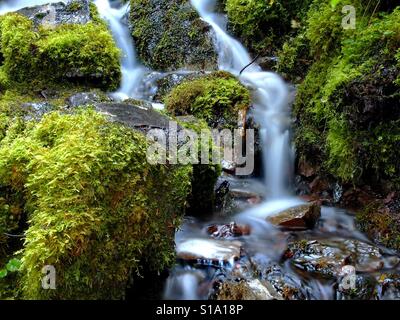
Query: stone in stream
{"x": 227, "y": 231}
{"x": 209, "y": 250}
{"x": 249, "y": 289}
{"x": 301, "y": 217}
{"x": 328, "y": 257}
{"x": 388, "y": 286}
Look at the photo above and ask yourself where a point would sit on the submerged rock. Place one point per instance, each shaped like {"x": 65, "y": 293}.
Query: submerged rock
{"x": 211, "y": 251}
{"x": 328, "y": 257}
{"x": 301, "y": 217}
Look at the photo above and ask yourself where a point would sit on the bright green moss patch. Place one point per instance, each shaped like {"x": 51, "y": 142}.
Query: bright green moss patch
{"x": 97, "y": 210}
{"x": 81, "y": 53}
{"x": 216, "y": 98}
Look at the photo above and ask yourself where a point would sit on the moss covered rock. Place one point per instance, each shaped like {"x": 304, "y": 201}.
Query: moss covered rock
{"x": 169, "y": 35}
{"x": 218, "y": 98}
{"x": 44, "y": 53}
{"x": 98, "y": 212}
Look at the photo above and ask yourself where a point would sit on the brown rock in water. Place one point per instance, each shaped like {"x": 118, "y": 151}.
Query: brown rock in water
{"x": 226, "y": 231}
{"x": 301, "y": 217}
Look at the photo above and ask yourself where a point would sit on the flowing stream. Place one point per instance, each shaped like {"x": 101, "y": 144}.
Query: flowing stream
{"x": 265, "y": 244}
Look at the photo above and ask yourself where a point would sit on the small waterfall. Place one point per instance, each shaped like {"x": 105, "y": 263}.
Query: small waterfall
{"x": 269, "y": 98}
{"x": 132, "y": 71}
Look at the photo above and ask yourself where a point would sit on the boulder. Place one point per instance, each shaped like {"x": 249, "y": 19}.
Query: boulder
{"x": 83, "y": 99}
{"x": 301, "y": 217}
{"x": 169, "y": 35}
{"x": 227, "y": 231}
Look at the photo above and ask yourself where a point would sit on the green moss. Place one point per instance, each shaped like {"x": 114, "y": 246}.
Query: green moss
{"x": 262, "y": 25}
{"x": 346, "y": 105}
{"x": 107, "y": 213}
{"x": 216, "y": 98}
{"x": 84, "y": 53}
{"x": 380, "y": 225}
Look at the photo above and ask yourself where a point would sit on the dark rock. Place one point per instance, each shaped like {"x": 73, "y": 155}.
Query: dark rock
{"x": 169, "y": 35}
{"x": 297, "y": 218}
{"x": 356, "y": 287}
{"x": 74, "y": 12}
{"x": 389, "y": 286}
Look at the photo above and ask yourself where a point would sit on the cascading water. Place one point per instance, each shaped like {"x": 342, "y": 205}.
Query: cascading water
{"x": 269, "y": 99}
{"x": 132, "y": 70}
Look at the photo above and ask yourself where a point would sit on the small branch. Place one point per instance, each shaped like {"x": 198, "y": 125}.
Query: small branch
{"x": 14, "y": 235}
{"x": 254, "y": 60}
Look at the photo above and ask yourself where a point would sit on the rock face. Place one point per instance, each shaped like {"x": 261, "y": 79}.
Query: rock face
{"x": 169, "y": 35}
{"x": 74, "y": 12}
{"x": 297, "y": 218}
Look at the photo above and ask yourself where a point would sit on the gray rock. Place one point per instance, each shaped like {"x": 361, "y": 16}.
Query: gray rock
{"x": 35, "y": 110}
{"x": 249, "y": 289}
{"x": 297, "y": 218}
{"x": 84, "y": 99}
{"x": 74, "y": 12}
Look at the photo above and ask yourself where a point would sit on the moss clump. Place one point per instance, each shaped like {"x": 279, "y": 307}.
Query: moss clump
{"x": 347, "y": 106}
{"x": 380, "y": 224}
{"x": 84, "y": 53}
{"x": 263, "y": 24}
{"x": 216, "y": 98}
{"x": 169, "y": 35}
{"x": 97, "y": 211}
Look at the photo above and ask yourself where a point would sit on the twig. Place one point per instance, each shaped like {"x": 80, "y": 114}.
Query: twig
{"x": 254, "y": 60}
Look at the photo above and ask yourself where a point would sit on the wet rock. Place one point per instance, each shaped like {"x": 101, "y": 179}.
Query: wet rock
{"x": 74, "y": 12}
{"x": 158, "y": 85}
{"x": 169, "y": 35}
{"x": 234, "y": 195}
{"x": 297, "y": 218}
{"x": 84, "y": 99}
{"x": 388, "y": 286}
{"x": 206, "y": 251}
{"x": 250, "y": 289}
{"x": 227, "y": 231}
{"x": 355, "y": 287}
{"x": 139, "y": 117}
{"x": 328, "y": 257}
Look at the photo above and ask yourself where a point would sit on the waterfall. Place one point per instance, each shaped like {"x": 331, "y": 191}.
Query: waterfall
{"x": 269, "y": 99}
{"x": 132, "y": 70}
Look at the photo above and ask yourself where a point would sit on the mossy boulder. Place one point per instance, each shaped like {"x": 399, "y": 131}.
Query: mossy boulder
{"x": 217, "y": 98}
{"x": 41, "y": 53}
{"x": 97, "y": 211}
{"x": 169, "y": 35}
